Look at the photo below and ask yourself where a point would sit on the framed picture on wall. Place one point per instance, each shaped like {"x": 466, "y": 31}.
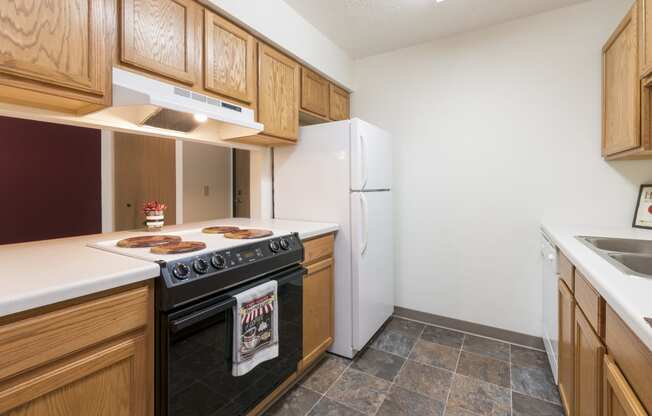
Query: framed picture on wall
{"x": 643, "y": 215}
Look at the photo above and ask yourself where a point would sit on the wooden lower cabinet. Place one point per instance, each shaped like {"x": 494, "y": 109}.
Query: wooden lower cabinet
{"x": 589, "y": 353}
{"x": 566, "y": 366}
{"x": 93, "y": 357}
{"x": 318, "y": 299}
{"x": 317, "y": 310}
{"x": 619, "y": 399}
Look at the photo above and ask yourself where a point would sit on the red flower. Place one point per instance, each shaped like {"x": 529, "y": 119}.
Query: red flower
{"x": 154, "y": 206}
{"x": 649, "y": 209}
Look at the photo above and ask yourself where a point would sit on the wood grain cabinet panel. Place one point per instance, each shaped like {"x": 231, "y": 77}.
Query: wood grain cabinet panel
{"x": 315, "y": 93}
{"x": 619, "y": 399}
{"x": 634, "y": 359}
{"x": 589, "y": 353}
{"x": 91, "y": 356}
{"x": 621, "y": 89}
{"x": 645, "y": 37}
{"x": 317, "y": 310}
{"x": 278, "y": 93}
{"x": 567, "y": 272}
{"x": 229, "y": 61}
{"x": 108, "y": 382}
{"x": 591, "y": 303}
{"x": 566, "y": 359}
{"x": 339, "y": 103}
{"x": 162, "y": 36}
{"x": 57, "y": 48}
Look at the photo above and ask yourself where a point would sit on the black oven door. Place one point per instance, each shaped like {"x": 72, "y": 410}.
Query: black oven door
{"x": 196, "y": 351}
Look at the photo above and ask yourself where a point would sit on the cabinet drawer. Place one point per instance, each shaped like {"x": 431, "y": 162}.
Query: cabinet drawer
{"x": 567, "y": 271}
{"x": 589, "y": 300}
{"x": 34, "y": 341}
{"x": 633, "y": 358}
{"x": 318, "y": 249}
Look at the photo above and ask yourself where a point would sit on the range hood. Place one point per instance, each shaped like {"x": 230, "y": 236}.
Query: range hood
{"x": 150, "y": 106}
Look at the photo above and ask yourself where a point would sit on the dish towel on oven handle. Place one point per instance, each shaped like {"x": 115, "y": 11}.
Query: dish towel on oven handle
{"x": 255, "y": 338}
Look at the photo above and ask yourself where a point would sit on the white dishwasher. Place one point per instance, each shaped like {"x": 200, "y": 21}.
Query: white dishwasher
{"x": 550, "y": 301}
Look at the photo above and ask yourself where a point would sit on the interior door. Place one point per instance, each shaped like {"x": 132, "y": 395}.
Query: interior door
{"x": 373, "y": 263}
{"x": 371, "y": 157}
{"x": 241, "y": 184}
{"x": 145, "y": 170}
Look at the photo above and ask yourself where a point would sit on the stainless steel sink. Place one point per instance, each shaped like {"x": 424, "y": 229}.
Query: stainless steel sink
{"x": 633, "y": 257}
{"x": 639, "y": 263}
{"x": 621, "y": 245}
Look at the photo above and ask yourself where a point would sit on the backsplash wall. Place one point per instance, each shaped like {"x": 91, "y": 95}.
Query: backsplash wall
{"x": 50, "y": 181}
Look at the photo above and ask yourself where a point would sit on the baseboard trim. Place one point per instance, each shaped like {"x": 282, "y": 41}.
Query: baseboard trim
{"x": 513, "y": 337}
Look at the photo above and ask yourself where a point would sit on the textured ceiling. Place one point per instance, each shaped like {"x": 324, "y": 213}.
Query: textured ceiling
{"x": 369, "y": 27}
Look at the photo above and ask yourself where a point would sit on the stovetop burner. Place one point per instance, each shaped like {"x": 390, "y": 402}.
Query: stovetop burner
{"x": 179, "y": 247}
{"x": 220, "y": 229}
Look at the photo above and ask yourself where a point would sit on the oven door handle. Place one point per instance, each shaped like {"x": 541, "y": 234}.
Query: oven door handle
{"x": 203, "y": 314}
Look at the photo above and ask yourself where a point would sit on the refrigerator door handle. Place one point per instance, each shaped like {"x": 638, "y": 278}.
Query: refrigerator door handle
{"x": 364, "y": 157}
{"x": 365, "y": 223}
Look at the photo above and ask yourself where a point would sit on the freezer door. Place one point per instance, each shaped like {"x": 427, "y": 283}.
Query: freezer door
{"x": 371, "y": 157}
{"x": 372, "y": 263}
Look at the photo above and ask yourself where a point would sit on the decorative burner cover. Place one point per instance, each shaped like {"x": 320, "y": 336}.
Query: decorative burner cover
{"x": 179, "y": 247}
{"x": 248, "y": 234}
{"x": 147, "y": 241}
{"x": 220, "y": 230}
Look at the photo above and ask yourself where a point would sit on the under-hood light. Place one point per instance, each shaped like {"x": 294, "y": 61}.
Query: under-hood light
{"x": 201, "y": 118}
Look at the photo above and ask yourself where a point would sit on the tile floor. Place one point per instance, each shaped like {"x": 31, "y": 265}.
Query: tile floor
{"x": 421, "y": 370}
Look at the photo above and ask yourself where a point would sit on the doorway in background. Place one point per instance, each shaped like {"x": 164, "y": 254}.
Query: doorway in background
{"x": 241, "y": 184}
{"x": 144, "y": 171}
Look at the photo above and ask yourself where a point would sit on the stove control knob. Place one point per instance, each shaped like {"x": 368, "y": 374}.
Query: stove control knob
{"x": 285, "y": 244}
{"x": 200, "y": 266}
{"x": 181, "y": 271}
{"x": 273, "y": 245}
{"x": 218, "y": 261}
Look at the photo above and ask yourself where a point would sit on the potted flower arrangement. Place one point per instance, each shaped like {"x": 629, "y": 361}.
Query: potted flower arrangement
{"x": 154, "y": 215}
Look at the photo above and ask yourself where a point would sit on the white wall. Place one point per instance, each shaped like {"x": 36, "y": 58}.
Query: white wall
{"x": 495, "y": 130}
{"x": 206, "y": 165}
{"x": 280, "y": 24}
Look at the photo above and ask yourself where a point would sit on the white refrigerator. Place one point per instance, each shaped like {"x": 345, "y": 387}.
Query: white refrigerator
{"x": 342, "y": 172}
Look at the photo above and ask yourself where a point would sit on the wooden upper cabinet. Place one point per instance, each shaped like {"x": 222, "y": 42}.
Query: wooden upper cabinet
{"x": 645, "y": 37}
{"x": 163, "y": 37}
{"x": 621, "y": 89}
{"x": 619, "y": 399}
{"x": 339, "y": 103}
{"x": 566, "y": 348}
{"x": 278, "y": 94}
{"x": 229, "y": 61}
{"x": 315, "y": 93}
{"x": 60, "y": 48}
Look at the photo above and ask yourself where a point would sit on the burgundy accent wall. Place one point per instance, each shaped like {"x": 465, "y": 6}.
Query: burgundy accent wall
{"x": 50, "y": 181}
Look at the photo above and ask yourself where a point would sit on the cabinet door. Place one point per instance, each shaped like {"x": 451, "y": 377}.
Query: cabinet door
{"x": 162, "y": 36}
{"x": 110, "y": 381}
{"x": 566, "y": 347}
{"x": 619, "y": 399}
{"x": 229, "y": 66}
{"x": 58, "y": 43}
{"x": 315, "y": 92}
{"x": 317, "y": 310}
{"x": 589, "y": 353}
{"x": 278, "y": 93}
{"x": 645, "y": 36}
{"x": 621, "y": 89}
{"x": 339, "y": 105}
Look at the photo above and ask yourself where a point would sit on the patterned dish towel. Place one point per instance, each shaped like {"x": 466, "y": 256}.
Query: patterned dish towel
{"x": 255, "y": 338}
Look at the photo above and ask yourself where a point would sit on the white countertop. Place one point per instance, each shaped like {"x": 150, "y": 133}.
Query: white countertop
{"x": 629, "y": 296}
{"x": 41, "y": 273}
